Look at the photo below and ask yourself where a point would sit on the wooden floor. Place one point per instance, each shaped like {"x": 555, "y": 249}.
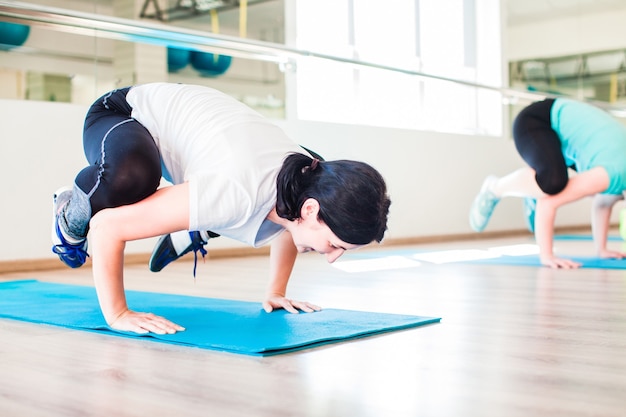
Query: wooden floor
{"x": 514, "y": 341}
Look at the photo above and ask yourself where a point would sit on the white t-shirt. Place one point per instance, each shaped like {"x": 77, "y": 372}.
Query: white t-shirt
{"x": 229, "y": 154}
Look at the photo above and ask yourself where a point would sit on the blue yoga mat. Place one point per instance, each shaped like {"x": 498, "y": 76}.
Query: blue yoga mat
{"x": 482, "y": 256}
{"x": 225, "y": 325}
{"x": 533, "y": 260}
{"x": 586, "y": 237}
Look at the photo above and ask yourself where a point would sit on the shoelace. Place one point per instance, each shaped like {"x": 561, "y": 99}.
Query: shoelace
{"x": 197, "y": 246}
{"x": 67, "y": 249}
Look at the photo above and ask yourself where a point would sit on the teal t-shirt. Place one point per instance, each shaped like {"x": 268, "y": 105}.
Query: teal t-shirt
{"x": 591, "y": 137}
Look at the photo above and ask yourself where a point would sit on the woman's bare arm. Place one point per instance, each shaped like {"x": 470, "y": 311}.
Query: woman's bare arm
{"x": 166, "y": 211}
{"x": 601, "y": 209}
{"x": 283, "y": 255}
{"x": 582, "y": 185}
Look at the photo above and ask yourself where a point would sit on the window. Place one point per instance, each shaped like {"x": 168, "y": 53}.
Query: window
{"x": 455, "y": 39}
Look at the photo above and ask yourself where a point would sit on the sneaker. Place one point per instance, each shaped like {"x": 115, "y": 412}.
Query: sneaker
{"x": 174, "y": 245}
{"x": 483, "y": 206}
{"x": 71, "y": 254}
{"x": 530, "y": 205}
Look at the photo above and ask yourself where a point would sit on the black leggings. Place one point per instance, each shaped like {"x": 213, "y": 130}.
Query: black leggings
{"x": 125, "y": 165}
{"x": 539, "y": 145}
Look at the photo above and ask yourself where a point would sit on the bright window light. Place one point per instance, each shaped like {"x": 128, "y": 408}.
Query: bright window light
{"x": 458, "y": 39}
{"x": 460, "y": 255}
{"x": 515, "y": 250}
{"x": 376, "y": 264}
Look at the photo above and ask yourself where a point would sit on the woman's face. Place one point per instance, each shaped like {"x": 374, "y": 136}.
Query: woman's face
{"x": 310, "y": 234}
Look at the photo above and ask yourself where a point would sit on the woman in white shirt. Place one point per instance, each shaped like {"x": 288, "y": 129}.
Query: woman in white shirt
{"x": 233, "y": 173}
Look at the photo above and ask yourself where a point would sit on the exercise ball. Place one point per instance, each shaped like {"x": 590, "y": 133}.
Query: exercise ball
{"x": 177, "y": 59}
{"x": 13, "y": 34}
{"x": 208, "y": 64}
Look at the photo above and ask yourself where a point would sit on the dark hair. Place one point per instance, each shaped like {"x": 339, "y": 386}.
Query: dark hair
{"x": 352, "y": 196}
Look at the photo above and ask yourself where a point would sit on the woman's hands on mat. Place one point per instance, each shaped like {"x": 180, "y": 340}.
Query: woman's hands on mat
{"x": 556, "y": 263}
{"x": 163, "y": 212}
{"x": 611, "y": 254}
{"x": 142, "y": 323}
{"x": 277, "y": 301}
{"x": 562, "y": 263}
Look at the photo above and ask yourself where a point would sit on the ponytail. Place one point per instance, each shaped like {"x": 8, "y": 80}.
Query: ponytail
{"x": 294, "y": 178}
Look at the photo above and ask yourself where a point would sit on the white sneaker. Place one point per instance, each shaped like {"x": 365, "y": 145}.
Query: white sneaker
{"x": 71, "y": 254}
{"x": 483, "y": 205}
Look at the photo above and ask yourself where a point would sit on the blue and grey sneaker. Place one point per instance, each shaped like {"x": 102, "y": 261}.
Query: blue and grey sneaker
{"x": 483, "y": 206}
{"x": 530, "y": 206}
{"x": 174, "y": 245}
{"x": 72, "y": 254}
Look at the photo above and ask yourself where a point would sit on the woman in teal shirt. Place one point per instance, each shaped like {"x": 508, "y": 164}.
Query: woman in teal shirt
{"x": 553, "y": 136}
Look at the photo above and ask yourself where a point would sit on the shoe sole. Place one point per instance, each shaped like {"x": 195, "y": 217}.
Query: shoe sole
{"x": 56, "y": 195}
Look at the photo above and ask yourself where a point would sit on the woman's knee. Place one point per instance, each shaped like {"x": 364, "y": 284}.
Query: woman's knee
{"x": 135, "y": 175}
{"x": 553, "y": 183}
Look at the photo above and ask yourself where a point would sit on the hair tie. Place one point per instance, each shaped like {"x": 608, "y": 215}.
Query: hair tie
{"x": 311, "y": 167}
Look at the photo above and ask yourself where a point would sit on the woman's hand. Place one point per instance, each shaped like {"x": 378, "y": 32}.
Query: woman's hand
{"x": 142, "y": 323}
{"x": 274, "y": 301}
{"x": 558, "y": 263}
{"x": 163, "y": 212}
{"x": 611, "y": 254}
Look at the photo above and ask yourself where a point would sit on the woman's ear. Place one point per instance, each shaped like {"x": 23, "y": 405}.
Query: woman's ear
{"x": 310, "y": 208}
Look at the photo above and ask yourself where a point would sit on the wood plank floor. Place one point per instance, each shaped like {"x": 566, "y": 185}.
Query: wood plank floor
{"x": 514, "y": 341}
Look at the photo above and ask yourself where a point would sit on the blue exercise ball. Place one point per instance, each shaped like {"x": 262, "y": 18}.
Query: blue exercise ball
{"x": 13, "y": 34}
{"x": 210, "y": 65}
{"x": 177, "y": 59}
